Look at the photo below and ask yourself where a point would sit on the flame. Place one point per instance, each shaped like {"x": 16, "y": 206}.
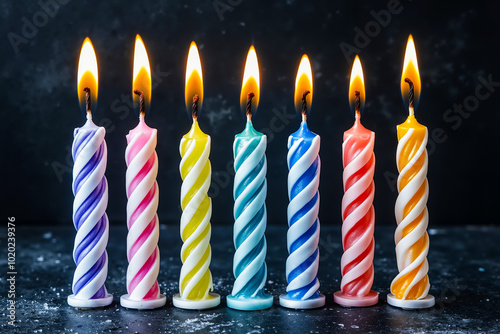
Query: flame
{"x": 410, "y": 70}
{"x": 303, "y": 82}
{"x": 357, "y": 83}
{"x": 87, "y": 73}
{"x": 251, "y": 81}
{"x": 141, "y": 74}
{"x": 194, "y": 78}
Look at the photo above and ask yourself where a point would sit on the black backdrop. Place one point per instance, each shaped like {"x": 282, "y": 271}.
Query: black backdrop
{"x": 457, "y": 45}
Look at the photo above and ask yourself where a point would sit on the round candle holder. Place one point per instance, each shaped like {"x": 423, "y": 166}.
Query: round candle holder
{"x": 142, "y": 304}
{"x": 299, "y": 304}
{"x": 356, "y": 301}
{"x": 90, "y": 303}
{"x": 250, "y": 304}
{"x": 212, "y": 301}
{"x": 411, "y": 304}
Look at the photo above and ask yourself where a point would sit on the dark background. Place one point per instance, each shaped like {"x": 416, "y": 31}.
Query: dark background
{"x": 457, "y": 46}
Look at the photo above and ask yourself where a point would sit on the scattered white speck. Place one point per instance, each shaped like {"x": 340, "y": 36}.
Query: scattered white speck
{"x": 341, "y": 325}
{"x": 47, "y": 235}
{"x": 47, "y": 307}
{"x": 40, "y": 258}
{"x": 482, "y": 270}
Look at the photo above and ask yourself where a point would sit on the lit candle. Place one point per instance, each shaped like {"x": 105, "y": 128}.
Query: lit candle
{"x": 90, "y": 188}
{"x": 303, "y": 181}
{"x": 250, "y": 190}
{"x": 142, "y": 193}
{"x": 195, "y": 283}
{"x": 410, "y": 287}
{"x": 358, "y": 215}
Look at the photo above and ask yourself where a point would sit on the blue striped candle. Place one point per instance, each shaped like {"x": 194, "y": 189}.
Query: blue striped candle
{"x": 250, "y": 190}
{"x": 90, "y": 188}
{"x": 303, "y": 223}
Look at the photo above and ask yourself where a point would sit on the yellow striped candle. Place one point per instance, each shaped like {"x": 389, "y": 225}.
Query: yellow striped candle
{"x": 195, "y": 283}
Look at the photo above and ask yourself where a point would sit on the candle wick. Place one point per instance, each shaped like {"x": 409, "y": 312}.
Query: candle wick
{"x": 304, "y": 105}
{"x": 357, "y": 102}
{"x": 142, "y": 104}
{"x": 411, "y": 93}
{"x": 88, "y": 102}
{"x": 250, "y": 96}
{"x": 194, "y": 108}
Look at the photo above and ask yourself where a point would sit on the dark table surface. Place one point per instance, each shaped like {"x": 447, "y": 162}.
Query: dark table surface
{"x": 464, "y": 274}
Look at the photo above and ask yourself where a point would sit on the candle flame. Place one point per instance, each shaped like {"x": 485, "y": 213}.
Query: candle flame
{"x": 141, "y": 73}
{"x": 410, "y": 71}
{"x": 194, "y": 78}
{"x": 251, "y": 81}
{"x": 357, "y": 84}
{"x": 87, "y": 73}
{"x": 303, "y": 82}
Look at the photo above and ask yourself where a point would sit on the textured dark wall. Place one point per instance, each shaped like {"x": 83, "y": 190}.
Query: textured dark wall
{"x": 457, "y": 45}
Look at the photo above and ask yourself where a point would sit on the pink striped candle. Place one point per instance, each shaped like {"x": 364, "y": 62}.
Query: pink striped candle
{"x": 142, "y": 193}
{"x": 142, "y": 221}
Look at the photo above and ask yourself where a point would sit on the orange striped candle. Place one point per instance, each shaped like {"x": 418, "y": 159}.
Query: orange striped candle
{"x": 409, "y": 289}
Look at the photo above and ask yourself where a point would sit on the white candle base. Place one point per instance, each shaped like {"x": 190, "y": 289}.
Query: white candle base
{"x": 250, "y": 304}
{"x": 125, "y": 301}
{"x": 212, "y": 301}
{"x": 354, "y": 301}
{"x": 311, "y": 303}
{"x": 411, "y": 304}
{"x": 90, "y": 303}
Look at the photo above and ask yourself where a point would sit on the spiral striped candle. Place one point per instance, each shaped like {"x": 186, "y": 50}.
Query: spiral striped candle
{"x": 142, "y": 221}
{"x": 250, "y": 190}
{"x": 303, "y": 234}
{"x": 195, "y": 281}
{"x": 358, "y": 218}
{"x": 90, "y": 188}
{"x": 410, "y": 287}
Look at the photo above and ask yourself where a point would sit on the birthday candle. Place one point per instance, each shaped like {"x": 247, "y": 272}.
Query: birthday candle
{"x": 142, "y": 193}
{"x": 250, "y": 190}
{"x": 358, "y": 214}
{"x": 195, "y": 283}
{"x": 90, "y": 188}
{"x": 303, "y": 181}
{"x": 410, "y": 287}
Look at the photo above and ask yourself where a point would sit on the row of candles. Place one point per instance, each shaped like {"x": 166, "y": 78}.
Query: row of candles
{"x": 410, "y": 287}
